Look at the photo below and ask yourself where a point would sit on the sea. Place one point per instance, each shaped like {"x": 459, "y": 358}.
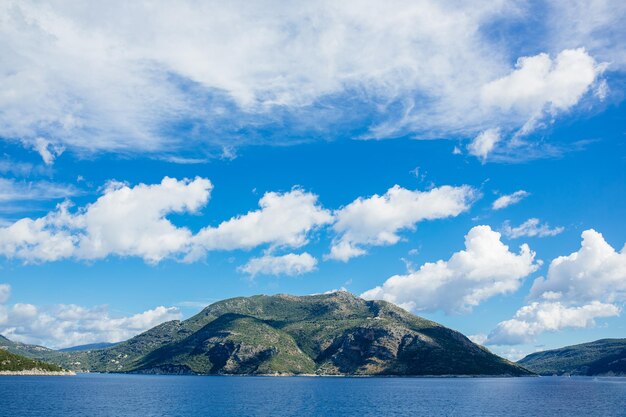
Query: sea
{"x": 122, "y": 395}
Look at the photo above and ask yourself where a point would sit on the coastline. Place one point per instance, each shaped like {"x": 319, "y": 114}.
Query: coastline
{"x": 288, "y": 375}
{"x": 37, "y": 372}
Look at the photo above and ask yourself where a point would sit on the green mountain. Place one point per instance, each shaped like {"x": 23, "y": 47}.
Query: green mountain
{"x": 330, "y": 334}
{"x": 10, "y": 362}
{"x": 602, "y": 357}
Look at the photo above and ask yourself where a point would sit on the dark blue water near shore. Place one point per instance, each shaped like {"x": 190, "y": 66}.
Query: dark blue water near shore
{"x": 137, "y": 395}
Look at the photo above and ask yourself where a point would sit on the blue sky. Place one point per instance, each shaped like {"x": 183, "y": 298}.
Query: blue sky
{"x": 140, "y": 150}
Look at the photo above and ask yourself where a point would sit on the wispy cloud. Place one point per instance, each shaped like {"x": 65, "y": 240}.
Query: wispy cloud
{"x": 21, "y": 169}
{"x": 12, "y": 190}
{"x": 123, "y": 78}
{"x": 509, "y": 199}
{"x": 530, "y": 228}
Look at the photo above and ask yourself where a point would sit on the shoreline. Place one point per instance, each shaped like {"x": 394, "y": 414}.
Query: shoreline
{"x": 37, "y": 372}
{"x": 318, "y": 375}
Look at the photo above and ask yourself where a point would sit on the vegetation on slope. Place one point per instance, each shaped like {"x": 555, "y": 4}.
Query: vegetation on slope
{"x": 602, "y": 357}
{"x": 10, "y": 362}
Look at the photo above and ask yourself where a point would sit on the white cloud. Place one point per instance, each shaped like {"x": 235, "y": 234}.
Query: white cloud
{"x": 47, "y": 151}
{"x": 530, "y": 228}
{"x": 12, "y": 190}
{"x": 123, "y": 221}
{"x": 538, "y": 81}
{"x": 290, "y": 264}
{"x": 587, "y": 284}
{"x": 509, "y": 199}
{"x": 536, "y": 92}
{"x": 42, "y": 239}
{"x": 595, "y": 272}
{"x": 283, "y": 220}
{"x": 116, "y": 76}
{"x": 484, "y": 143}
{"x": 484, "y": 269}
{"x": 539, "y": 317}
{"x": 65, "y": 325}
{"x": 377, "y": 220}
{"x": 540, "y": 84}
{"x": 132, "y": 221}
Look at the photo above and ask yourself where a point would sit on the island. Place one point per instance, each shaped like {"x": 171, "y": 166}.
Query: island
{"x": 326, "y": 334}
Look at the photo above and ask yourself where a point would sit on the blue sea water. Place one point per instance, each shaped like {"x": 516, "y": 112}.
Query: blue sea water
{"x": 138, "y": 395}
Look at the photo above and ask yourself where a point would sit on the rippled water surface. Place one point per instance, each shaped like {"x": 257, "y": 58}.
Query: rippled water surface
{"x": 138, "y": 395}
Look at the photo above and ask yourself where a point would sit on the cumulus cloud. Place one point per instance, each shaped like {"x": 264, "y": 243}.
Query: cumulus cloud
{"x": 377, "y": 220}
{"x": 132, "y": 221}
{"x": 484, "y": 269}
{"x": 540, "y": 84}
{"x": 595, "y": 272}
{"x": 283, "y": 220}
{"x": 484, "y": 143}
{"x": 539, "y": 317}
{"x": 118, "y": 77}
{"x": 587, "y": 284}
{"x": 42, "y": 239}
{"x": 509, "y": 199}
{"x": 290, "y": 264}
{"x": 539, "y": 81}
{"x": 65, "y": 325}
{"x": 124, "y": 221}
{"x": 530, "y": 228}
{"x": 531, "y": 96}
